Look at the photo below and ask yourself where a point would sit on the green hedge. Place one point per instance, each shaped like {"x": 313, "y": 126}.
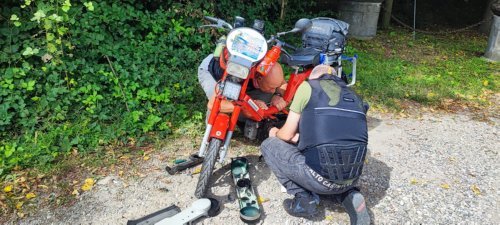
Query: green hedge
{"x": 79, "y": 74}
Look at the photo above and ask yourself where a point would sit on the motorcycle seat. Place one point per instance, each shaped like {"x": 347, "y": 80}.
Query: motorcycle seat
{"x": 302, "y": 57}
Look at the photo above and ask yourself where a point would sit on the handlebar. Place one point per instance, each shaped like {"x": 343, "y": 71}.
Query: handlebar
{"x": 212, "y": 19}
{"x": 220, "y": 23}
{"x": 289, "y": 46}
{"x": 280, "y": 43}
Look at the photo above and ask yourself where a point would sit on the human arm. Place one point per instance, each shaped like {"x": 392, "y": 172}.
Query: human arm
{"x": 279, "y": 102}
{"x": 225, "y": 105}
{"x": 278, "y": 99}
{"x": 289, "y": 131}
{"x": 281, "y": 90}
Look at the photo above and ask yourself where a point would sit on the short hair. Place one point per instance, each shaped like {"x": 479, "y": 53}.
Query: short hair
{"x": 320, "y": 70}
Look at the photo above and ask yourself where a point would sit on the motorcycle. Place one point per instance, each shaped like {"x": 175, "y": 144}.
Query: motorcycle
{"x": 245, "y": 53}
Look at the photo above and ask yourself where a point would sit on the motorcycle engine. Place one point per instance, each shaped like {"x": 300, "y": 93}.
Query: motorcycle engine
{"x": 260, "y": 130}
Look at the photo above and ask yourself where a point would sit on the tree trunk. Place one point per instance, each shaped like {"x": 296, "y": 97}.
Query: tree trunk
{"x": 488, "y": 16}
{"x": 283, "y": 6}
{"x": 387, "y": 11}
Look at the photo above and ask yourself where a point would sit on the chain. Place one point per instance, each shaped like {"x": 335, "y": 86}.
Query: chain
{"x": 439, "y": 32}
{"x": 436, "y": 32}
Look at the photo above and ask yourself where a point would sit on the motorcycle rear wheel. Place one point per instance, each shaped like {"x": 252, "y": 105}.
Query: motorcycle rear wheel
{"x": 207, "y": 168}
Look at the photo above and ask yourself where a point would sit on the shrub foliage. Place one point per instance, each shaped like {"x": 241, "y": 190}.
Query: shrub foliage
{"x": 79, "y": 74}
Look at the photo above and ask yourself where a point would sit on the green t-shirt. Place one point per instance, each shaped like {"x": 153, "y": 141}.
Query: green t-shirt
{"x": 301, "y": 97}
{"x": 303, "y": 94}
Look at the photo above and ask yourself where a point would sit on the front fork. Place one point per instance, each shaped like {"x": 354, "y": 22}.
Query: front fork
{"x": 223, "y": 149}
{"x": 219, "y": 130}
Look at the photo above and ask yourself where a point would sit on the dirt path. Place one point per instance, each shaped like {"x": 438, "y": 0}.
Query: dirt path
{"x": 440, "y": 169}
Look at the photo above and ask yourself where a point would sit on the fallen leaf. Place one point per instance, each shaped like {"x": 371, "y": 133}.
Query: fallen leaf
{"x": 329, "y": 218}
{"x": 197, "y": 170}
{"x": 89, "y": 183}
{"x": 120, "y": 173}
{"x": 445, "y": 186}
{"x": 30, "y": 195}
{"x": 146, "y": 158}
{"x": 19, "y": 205}
{"x": 21, "y": 180}
{"x": 475, "y": 189}
{"x": 262, "y": 199}
{"x": 7, "y": 189}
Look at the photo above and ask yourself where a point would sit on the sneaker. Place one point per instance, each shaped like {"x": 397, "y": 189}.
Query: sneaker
{"x": 355, "y": 205}
{"x": 304, "y": 204}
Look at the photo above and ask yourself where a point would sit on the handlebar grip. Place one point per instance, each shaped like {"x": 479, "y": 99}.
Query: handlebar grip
{"x": 289, "y": 46}
{"x": 212, "y": 19}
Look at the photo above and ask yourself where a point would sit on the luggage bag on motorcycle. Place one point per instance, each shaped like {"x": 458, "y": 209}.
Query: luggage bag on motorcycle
{"x": 326, "y": 35}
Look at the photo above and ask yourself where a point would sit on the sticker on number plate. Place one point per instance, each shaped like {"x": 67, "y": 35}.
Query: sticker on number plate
{"x": 253, "y": 105}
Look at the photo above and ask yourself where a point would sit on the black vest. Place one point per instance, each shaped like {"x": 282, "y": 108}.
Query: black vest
{"x": 333, "y": 129}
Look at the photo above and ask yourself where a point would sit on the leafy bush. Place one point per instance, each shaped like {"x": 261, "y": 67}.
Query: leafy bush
{"x": 71, "y": 70}
{"x": 76, "y": 75}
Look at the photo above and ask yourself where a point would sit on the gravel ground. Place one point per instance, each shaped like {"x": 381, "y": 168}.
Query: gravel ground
{"x": 436, "y": 169}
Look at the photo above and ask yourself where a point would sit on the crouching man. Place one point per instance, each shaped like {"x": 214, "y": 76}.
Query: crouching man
{"x": 331, "y": 149}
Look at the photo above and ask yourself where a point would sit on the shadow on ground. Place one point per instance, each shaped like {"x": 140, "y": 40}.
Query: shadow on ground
{"x": 373, "y": 183}
{"x": 222, "y": 177}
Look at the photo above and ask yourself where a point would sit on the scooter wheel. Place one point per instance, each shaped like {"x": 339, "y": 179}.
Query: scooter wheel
{"x": 214, "y": 207}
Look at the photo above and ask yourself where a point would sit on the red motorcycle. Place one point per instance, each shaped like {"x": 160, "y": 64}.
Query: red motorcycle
{"x": 246, "y": 53}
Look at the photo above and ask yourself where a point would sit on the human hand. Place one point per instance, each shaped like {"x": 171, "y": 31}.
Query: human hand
{"x": 279, "y": 102}
{"x": 295, "y": 138}
{"x": 273, "y": 131}
{"x": 261, "y": 104}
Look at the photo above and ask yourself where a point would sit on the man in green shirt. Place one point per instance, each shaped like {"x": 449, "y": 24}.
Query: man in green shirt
{"x": 329, "y": 157}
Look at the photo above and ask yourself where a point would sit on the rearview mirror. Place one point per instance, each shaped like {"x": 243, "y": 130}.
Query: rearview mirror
{"x": 302, "y": 25}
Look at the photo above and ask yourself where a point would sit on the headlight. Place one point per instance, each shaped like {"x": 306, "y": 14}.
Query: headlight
{"x": 237, "y": 70}
{"x": 231, "y": 90}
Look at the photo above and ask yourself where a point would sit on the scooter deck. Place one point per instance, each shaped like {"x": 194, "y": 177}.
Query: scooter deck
{"x": 173, "y": 215}
{"x": 249, "y": 206}
{"x": 155, "y": 217}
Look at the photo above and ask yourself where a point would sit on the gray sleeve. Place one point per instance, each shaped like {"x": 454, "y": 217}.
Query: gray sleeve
{"x": 205, "y": 79}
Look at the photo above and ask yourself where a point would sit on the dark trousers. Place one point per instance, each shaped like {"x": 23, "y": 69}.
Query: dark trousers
{"x": 288, "y": 165}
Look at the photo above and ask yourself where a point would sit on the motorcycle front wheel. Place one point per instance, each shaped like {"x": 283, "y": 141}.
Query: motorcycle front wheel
{"x": 207, "y": 168}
